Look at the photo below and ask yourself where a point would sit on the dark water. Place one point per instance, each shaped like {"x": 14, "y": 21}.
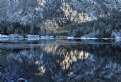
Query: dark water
{"x": 60, "y": 61}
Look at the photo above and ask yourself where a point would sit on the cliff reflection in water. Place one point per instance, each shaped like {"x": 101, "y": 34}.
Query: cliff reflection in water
{"x": 61, "y": 63}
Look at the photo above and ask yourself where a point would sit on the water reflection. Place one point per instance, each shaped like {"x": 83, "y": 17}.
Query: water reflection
{"x": 60, "y": 63}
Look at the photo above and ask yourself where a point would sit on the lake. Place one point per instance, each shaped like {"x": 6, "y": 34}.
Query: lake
{"x": 60, "y": 61}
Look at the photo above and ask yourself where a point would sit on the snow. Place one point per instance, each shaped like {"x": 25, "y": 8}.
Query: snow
{"x": 70, "y": 37}
{"x": 4, "y": 39}
{"x": 117, "y": 36}
{"x": 88, "y": 38}
{"x": 46, "y": 37}
{"x": 3, "y": 36}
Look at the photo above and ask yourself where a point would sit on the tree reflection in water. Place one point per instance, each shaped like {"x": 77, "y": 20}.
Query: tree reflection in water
{"x": 61, "y": 63}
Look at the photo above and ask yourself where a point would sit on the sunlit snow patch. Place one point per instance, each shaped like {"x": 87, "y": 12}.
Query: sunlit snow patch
{"x": 46, "y": 37}
{"x": 70, "y": 38}
{"x": 33, "y": 37}
{"x": 3, "y": 36}
{"x": 87, "y": 38}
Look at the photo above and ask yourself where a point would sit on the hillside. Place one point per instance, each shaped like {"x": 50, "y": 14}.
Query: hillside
{"x": 60, "y": 17}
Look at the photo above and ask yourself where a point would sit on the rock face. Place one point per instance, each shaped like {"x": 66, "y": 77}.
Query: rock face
{"x": 64, "y": 13}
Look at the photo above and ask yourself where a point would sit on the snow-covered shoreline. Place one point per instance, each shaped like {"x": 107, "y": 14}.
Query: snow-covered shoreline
{"x": 46, "y": 37}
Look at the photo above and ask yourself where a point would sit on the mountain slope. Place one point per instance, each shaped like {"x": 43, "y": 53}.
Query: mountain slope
{"x": 55, "y": 16}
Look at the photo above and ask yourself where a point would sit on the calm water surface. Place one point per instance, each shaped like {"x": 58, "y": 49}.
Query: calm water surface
{"x": 60, "y": 61}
